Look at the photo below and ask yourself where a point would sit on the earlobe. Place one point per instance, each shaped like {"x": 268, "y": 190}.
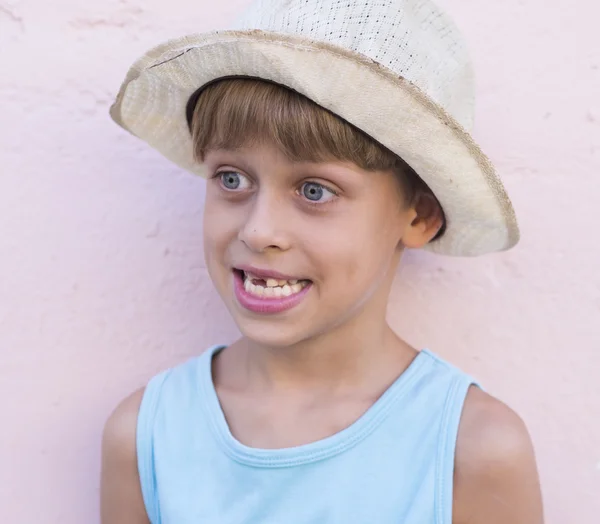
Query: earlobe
{"x": 418, "y": 234}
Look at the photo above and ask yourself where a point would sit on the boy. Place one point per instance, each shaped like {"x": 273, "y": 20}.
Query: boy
{"x": 332, "y": 138}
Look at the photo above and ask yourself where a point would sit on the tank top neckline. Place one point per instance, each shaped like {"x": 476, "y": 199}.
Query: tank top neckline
{"x": 310, "y": 452}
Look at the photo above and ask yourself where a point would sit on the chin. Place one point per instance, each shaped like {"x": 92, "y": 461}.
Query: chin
{"x": 271, "y": 334}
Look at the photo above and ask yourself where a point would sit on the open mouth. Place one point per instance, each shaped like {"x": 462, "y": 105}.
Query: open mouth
{"x": 267, "y": 287}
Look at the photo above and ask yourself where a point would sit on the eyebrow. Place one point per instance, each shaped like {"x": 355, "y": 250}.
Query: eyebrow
{"x": 232, "y": 157}
{"x": 333, "y": 169}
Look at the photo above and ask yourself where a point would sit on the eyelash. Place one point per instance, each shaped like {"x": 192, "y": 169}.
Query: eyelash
{"x": 318, "y": 204}
{"x": 219, "y": 174}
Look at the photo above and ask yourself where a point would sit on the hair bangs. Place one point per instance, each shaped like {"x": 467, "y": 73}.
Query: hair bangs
{"x": 235, "y": 113}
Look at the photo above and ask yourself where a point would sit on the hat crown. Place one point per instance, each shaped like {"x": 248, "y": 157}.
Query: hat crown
{"x": 412, "y": 38}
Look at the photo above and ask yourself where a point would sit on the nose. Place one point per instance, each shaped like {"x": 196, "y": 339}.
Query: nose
{"x": 265, "y": 228}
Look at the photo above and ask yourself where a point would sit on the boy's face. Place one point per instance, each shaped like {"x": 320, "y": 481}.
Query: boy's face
{"x": 332, "y": 231}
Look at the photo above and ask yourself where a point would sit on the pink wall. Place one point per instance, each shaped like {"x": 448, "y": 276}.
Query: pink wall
{"x": 101, "y": 270}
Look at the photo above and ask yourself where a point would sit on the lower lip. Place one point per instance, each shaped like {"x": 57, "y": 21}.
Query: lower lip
{"x": 265, "y": 305}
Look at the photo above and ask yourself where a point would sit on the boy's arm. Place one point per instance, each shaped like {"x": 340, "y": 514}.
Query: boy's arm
{"x": 121, "y": 499}
{"x": 495, "y": 478}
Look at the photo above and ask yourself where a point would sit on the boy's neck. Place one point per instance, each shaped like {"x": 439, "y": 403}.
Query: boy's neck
{"x": 349, "y": 357}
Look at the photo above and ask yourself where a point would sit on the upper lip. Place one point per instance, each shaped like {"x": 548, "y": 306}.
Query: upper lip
{"x": 266, "y": 273}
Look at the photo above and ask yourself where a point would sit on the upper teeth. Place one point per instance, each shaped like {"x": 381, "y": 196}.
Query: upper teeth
{"x": 274, "y": 287}
{"x": 272, "y": 282}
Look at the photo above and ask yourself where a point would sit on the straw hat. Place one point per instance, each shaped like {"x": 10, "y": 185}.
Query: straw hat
{"x": 396, "y": 69}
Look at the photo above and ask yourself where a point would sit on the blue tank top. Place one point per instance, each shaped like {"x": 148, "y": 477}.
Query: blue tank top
{"x": 394, "y": 465}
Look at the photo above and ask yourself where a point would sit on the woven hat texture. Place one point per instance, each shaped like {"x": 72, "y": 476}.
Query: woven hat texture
{"x": 411, "y": 38}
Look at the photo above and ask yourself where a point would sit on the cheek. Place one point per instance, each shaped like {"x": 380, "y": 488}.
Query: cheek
{"x": 365, "y": 241}
{"x": 353, "y": 259}
{"x": 357, "y": 257}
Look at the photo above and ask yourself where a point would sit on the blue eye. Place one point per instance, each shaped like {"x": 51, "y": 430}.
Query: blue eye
{"x": 316, "y": 192}
{"x": 232, "y": 180}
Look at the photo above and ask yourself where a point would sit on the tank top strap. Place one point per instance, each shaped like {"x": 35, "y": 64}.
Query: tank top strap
{"x": 459, "y": 386}
{"x": 168, "y": 399}
{"x": 145, "y": 445}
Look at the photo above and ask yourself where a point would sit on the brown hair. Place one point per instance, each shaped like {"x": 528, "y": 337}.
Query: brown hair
{"x": 231, "y": 113}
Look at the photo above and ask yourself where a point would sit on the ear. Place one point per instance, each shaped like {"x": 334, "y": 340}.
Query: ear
{"x": 427, "y": 220}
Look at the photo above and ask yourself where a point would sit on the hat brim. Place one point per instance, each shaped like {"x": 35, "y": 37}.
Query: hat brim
{"x": 153, "y": 100}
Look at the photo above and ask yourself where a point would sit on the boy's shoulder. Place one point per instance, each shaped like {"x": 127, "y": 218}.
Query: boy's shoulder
{"x": 494, "y": 463}
{"x": 121, "y": 497}
{"x": 121, "y": 424}
{"x": 119, "y": 435}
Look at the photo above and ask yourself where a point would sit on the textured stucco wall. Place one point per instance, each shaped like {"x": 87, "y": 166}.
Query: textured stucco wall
{"x": 101, "y": 271}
